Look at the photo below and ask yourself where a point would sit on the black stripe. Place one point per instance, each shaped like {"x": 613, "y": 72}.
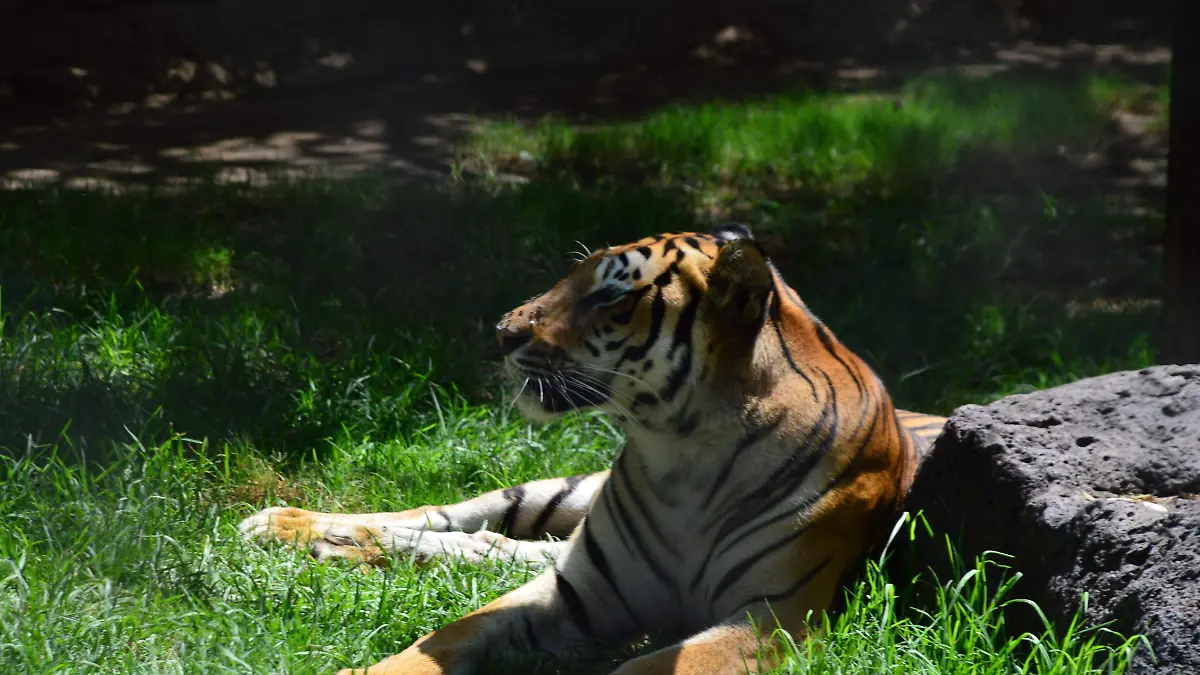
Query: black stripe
{"x": 782, "y": 482}
{"x": 515, "y": 495}
{"x": 620, "y": 470}
{"x": 722, "y": 545}
{"x": 539, "y": 525}
{"x": 790, "y": 590}
{"x": 600, "y": 562}
{"x": 643, "y": 549}
{"x": 688, "y": 425}
{"x": 530, "y": 635}
{"x": 777, "y": 322}
{"x": 756, "y": 434}
{"x": 658, "y": 309}
{"x": 679, "y": 375}
{"x": 633, "y": 297}
{"x": 693, "y": 242}
{"x": 728, "y": 545}
{"x": 794, "y": 469}
{"x": 808, "y": 503}
{"x": 682, "y": 336}
{"x": 862, "y": 447}
{"x": 684, "y": 419}
{"x": 613, "y": 345}
{"x": 791, "y": 293}
{"x": 804, "y": 506}
{"x": 644, "y": 398}
{"x": 790, "y": 512}
{"x": 737, "y": 571}
{"x": 608, "y": 508}
{"x": 826, "y": 339}
{"x": 575, "y": 609}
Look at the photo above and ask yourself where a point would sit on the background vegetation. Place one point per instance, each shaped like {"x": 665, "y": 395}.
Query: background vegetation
{"x": 172, "y": 359}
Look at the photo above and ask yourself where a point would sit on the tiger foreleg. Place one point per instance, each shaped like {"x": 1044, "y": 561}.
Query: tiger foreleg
{"x": 532, "y": 617}
{"x": 330, "y": 536}
{"x": 381, "y": 543}
{"x": 530, "y": 511}
{"x": 553, "y": 506}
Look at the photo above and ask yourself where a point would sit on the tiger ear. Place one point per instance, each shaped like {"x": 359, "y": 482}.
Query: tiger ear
{"x": 739, "y": 283}
{"x": 732, "y": 231}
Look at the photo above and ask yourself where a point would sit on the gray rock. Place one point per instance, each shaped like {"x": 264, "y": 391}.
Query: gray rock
{"x": 1092, "y": 486}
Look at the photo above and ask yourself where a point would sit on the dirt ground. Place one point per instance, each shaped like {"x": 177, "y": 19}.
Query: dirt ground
{"x": 100, "y": 94}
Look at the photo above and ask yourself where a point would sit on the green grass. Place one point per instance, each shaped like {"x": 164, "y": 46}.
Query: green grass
{"x": 172, "y": 361}
{"x": 965, "y": 629}
{"x": 138, "y": 568}
{"x": 916, "y": 134}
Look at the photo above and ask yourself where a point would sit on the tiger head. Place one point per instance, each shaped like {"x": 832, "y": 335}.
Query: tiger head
{"x": 649, "y": 331}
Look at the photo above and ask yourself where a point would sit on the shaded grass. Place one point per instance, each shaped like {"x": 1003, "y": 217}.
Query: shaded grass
{"x": 171, "y": 361}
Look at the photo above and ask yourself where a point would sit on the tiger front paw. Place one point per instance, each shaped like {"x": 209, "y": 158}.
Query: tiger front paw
{"x": 325, "y": 538}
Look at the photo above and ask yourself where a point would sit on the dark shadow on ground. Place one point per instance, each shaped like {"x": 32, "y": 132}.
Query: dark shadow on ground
{"x": 96, "y": 93}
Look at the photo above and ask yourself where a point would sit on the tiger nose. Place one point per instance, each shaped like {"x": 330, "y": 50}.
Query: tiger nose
{"x": 512, "y": 335}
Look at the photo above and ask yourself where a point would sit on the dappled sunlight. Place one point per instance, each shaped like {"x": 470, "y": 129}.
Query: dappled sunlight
{"x": 1113, "y": 306}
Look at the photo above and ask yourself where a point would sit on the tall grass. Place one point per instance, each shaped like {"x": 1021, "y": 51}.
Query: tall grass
{"x": 963, "y": 626}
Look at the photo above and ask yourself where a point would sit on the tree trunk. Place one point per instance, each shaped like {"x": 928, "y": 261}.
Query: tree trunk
{"x": 1181, "y": 239}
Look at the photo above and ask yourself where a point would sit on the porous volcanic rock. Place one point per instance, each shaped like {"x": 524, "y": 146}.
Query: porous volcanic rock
{"x": 1092, "y": 486}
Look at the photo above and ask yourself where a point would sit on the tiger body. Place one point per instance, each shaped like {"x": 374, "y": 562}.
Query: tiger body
{"x": 762, "y": 459}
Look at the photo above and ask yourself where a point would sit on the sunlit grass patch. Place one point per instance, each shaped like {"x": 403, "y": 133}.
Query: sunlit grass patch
{"x": 917, "y": 133}
{"x": 135, "y": 564}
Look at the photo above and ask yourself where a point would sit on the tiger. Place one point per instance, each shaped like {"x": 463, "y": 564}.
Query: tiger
{"x": 762, "y": 461}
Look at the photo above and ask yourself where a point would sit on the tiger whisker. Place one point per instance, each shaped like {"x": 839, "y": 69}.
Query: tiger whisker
{"x": 513, "y": 402}
{"x": 620, "y": 396}
{"x": 619, "y": 401}
{"x": 616, "y": 372}
{"x": 583, "y": 254}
